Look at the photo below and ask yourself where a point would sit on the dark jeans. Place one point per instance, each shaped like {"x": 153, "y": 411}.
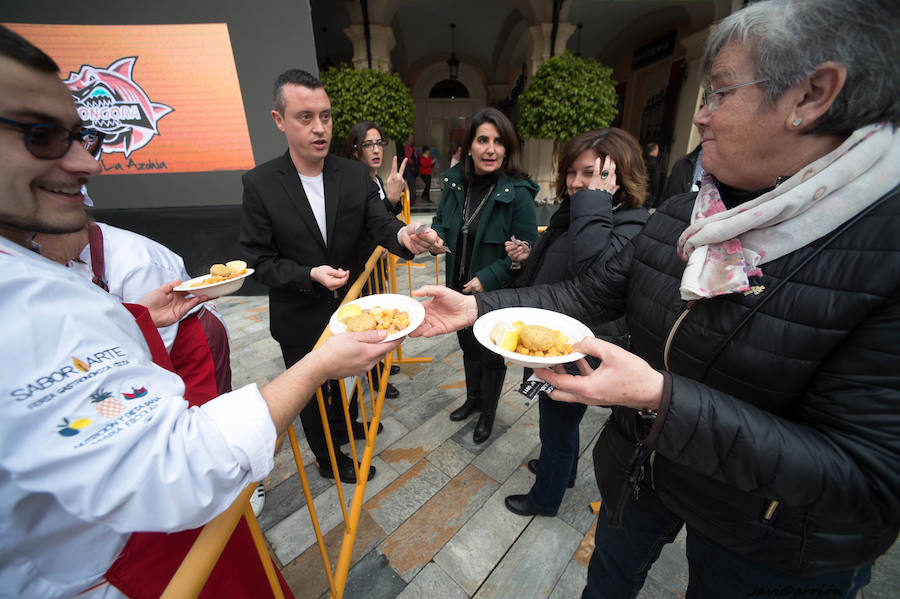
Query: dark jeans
{"x": 558, "y": 463}
{"x": 309, "y": 416}
{"x": 426, "y": 179}
{"x": 411, "y": 182}
{"x": 623, "y": 556}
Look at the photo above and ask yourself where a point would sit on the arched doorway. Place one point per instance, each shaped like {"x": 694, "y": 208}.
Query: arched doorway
{"x": 443, "y": 107}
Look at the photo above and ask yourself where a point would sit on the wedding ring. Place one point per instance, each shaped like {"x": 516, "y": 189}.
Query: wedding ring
{"x": 604, "y": 174}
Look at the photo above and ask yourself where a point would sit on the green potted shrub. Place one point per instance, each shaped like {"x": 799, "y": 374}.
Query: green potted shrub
{"x": 568, "y": 95}
{"x": 367, "y": 95}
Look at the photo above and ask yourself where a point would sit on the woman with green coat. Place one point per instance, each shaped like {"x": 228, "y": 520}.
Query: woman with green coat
{"x": 486, "y": 200}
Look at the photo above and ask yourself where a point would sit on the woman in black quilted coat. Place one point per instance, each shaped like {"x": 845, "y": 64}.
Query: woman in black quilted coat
{"x": 602, "y": 183}
{"x": 761, "y": 405}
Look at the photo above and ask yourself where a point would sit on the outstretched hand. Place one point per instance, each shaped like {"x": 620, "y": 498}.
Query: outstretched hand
{"x": 350, "y": 354}
{"x": 167, "y": 306}
{"x": 445, "y": 312}
{"x": 340, "y": 356}
{"x": 621, "y": 379}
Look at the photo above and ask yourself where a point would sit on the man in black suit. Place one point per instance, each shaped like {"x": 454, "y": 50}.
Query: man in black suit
{"x": 306, "y": 216}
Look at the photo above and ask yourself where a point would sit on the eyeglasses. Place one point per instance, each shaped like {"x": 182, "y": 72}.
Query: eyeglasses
{"x": 368, "y": 145}
{"x": 48, "y": 141}
{"x": 711, "y": 98}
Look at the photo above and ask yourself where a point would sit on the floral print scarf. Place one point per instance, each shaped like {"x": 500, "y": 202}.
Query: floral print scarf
{"x": 724, "y": 247}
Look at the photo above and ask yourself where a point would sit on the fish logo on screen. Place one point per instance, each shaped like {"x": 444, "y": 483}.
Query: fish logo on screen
{"x": 110, "y": 101}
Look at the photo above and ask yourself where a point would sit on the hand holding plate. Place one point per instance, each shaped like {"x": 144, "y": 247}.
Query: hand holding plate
{"x": 622, "y": 379}
{"x": 355, "y": 353}
{"x": 167, "y": 306}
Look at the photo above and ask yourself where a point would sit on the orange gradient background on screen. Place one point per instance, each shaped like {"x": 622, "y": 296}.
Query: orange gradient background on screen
{"x": 187, "y": 67}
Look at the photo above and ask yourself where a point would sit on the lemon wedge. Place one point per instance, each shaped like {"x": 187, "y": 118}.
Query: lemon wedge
{"x": 505, "y": 335}
{"x": 348, "y": 311}
{"x": 237, "y": 267}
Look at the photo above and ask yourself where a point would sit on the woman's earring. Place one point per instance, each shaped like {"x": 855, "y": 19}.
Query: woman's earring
{"x": 797, "y": 122}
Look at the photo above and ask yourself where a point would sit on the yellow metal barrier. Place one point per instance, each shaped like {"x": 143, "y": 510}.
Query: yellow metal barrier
{"x": 407, "y": 218}
{"x": 190, "y": 577}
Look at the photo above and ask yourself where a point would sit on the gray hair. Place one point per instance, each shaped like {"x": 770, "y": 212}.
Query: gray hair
{"x": 790, "y": 38}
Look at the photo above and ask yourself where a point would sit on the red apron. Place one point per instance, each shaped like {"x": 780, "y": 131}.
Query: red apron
{"x": 149, "y": 560}
{"x": 193, "y": 361}
{"x": 190, "y": 355}
{"x": 217, "y": 340}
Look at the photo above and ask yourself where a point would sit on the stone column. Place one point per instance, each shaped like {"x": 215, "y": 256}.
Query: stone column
{"x": 540, "y": 38}
{"x": 382, "y": 41}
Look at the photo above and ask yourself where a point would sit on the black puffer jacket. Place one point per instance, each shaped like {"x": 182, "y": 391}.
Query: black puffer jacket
{"x": 593, "y": 231}
{"x": 785, "y": 445}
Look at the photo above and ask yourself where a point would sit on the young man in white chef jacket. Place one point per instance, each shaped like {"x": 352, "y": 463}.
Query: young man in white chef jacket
{"x": 95, "y": 440}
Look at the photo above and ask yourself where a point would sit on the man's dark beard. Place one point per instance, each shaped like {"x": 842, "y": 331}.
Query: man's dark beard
{"x": 29, "y": 224}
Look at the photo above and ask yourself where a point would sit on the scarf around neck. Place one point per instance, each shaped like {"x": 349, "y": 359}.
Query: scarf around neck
{"x": 724, "y": 247}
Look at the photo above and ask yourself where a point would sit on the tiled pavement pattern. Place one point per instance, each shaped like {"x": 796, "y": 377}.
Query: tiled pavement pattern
{"x": 433, "y": 524}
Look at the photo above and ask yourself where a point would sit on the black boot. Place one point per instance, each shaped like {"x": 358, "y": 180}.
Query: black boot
{"x": 491, "y": 386}
{"x": 473, "y": 391}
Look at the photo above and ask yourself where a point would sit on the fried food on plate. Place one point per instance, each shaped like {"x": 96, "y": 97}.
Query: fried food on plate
{"x": 222, "y": 272}
{"x": 356, "y": 319}
{"x": 534, "y": 337}
{"x": 530, "y": 339}
{"x": 361, "y": 322}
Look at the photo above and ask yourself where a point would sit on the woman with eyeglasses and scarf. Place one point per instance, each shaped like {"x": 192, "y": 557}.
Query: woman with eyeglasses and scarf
{"x": 758, "y": 406}
{"x": 602, "y": 183}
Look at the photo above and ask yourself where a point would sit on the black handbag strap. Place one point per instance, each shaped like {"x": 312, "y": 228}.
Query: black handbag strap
{"x": 837, "y": 233}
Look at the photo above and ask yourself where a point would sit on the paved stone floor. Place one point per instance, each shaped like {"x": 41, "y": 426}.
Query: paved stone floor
{"x": 433, "y": 523}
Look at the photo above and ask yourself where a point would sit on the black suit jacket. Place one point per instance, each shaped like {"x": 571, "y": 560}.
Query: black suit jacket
{"x": 282, "y": 242}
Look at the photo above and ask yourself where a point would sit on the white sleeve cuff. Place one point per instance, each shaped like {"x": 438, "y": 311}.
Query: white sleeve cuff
{"x": 243, "y": 418}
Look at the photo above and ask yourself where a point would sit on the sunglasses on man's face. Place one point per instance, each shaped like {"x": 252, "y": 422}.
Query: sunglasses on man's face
{"x": 49, "y": 141}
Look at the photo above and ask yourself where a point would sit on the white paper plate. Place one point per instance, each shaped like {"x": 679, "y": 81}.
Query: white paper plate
{"x": 385, "y": 300}
{"x": 215, "y": 290}
{"x": 571, "y": 328}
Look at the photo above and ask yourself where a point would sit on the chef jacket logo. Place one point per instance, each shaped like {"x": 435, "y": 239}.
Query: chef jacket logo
{"x": 136, "y": 392}
{"x": 106, "y": 404}
{"x": 70, "y": 428}
{"x": 110, "y": 101}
